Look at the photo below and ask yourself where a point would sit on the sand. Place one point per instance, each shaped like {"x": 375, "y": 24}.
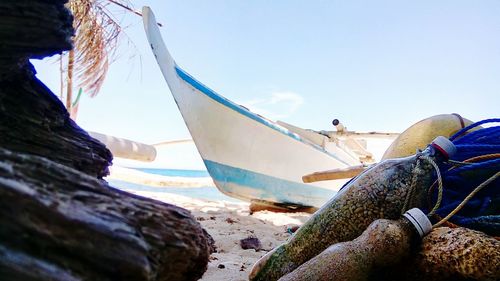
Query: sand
{"x": 228, "y": 223}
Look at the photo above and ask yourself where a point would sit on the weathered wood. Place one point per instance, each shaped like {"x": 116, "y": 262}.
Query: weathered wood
{"x": 34, "y": 29}
{"x": 33, "y": 120}
{"x": 57, "y": 221}
{"x": 335, "y": 174}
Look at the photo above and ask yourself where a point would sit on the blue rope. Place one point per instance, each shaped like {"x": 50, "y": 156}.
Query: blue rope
{"x": 482, "y": 212}
{"x": 473, "y": 125}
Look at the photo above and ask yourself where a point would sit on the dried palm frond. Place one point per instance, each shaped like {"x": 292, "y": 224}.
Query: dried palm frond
{"x": 95, "y": 42}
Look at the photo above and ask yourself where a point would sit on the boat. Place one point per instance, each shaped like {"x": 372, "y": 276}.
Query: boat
{"x": 248, "y": 156}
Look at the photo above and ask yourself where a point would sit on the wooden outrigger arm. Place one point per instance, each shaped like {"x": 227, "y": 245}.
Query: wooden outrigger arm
{"x": 335, "y": 174}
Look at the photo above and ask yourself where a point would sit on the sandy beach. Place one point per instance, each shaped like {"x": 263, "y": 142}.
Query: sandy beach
{"x": 228, "y": 223}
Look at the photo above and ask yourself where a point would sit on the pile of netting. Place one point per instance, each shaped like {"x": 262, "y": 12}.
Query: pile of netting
{"x": 470, "y": 188}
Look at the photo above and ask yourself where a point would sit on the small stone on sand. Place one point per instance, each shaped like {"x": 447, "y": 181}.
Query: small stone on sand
{"x": 251, "y": 243}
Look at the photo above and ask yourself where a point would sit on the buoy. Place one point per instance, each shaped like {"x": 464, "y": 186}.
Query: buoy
{"x": 420, "y": 134}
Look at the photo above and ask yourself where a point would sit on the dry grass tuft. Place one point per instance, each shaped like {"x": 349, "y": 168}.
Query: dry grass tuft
{"x": 95, "y": 41}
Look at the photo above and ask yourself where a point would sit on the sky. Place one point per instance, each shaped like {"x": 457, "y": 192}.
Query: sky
{"x": 375, "y": 65}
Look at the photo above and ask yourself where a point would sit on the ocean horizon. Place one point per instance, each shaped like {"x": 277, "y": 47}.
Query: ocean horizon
{"x": 204, "y": 192}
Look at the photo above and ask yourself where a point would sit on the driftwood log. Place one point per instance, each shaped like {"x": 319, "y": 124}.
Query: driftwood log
{"x": 32, "y": 119}
{"x": 60, "y": 224}
{"x": 32, "y": 29}
{"x": 58, "y": 219}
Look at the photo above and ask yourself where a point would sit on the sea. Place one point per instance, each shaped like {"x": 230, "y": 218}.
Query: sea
{"x": 204, "y": 192}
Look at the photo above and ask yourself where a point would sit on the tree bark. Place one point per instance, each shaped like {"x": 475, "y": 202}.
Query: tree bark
{"x": 59, "y": 224}
{"x": 33, "y": 120}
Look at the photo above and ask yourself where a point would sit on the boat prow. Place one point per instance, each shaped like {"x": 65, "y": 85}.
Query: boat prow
{"x": 248, "y": 156}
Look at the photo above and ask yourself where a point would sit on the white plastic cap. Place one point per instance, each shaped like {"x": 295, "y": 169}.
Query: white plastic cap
{"x": 419, "y": 220}
{"x": 445, "y": 146}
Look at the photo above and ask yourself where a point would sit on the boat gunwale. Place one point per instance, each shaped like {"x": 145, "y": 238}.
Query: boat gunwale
{"x": 186, "y": 77}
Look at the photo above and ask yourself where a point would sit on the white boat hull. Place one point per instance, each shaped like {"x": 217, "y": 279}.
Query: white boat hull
{"x": 248, "y": 156}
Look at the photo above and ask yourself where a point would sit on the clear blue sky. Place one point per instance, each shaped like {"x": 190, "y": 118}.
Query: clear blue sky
{"x": 375, "y": 65}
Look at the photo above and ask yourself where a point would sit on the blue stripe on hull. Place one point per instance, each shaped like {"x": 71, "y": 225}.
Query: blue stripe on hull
{"x": 252, "y": 185}
{"x": 222, "y": 100}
